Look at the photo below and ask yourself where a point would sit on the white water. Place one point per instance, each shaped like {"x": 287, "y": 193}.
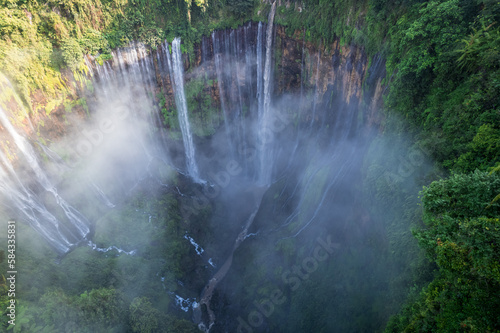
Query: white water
{"x": 31, "y": 208}
{"x": 185, "y": 303}
{"x": 110, "y": 248}
{"x": 211, "y": 262}
{"x": 260, "y": 92}
{"x": 316, "y": 85}
{"x": 27, "y": 202}
{"x": 199, "y": 250}
{"x": 102, "y": 195}
{"x": 177, "y": 75}
{"x": 218, "y": 70}
{"x": 265, "y": 132}
{"x": 31, "y": 193}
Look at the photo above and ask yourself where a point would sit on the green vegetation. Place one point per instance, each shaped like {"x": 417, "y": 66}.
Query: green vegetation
{"x": 350, "y": 21}
{"x": 39, "y": 40}
{"x": 203, "y": 109}
{"x": 240, "y": 8}
{"x": 4, "y": 300}
{"x": 445, "y": 84}
{"x": 462, "y": 236}
{"x": 443, "y": 66}
{"x": 91, "y": 291}
{"x": 442, "y": 62}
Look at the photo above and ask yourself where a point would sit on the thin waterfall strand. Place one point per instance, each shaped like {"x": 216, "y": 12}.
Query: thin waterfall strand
{"x": 180, "y": 102}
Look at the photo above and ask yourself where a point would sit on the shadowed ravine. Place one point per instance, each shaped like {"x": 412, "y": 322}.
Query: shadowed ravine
{"x": 206, "y": 296}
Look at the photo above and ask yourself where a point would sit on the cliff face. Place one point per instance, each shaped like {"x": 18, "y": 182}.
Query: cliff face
{"x": 338, "y": 74}
{"x": 343, "y": 70}
{"x": 325, "y": 79}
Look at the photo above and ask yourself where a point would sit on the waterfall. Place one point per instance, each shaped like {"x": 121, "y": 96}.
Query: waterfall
{"x": 264, "y": 121}
{"x": 244, "y": 79}
{"x": 260, "y": 92}
{"x": 235, "y": 60}
{"x": 62, "y": 236}
{"x": 128, "y": 76}
{"x": 242, "y": 64}
{"x": 220, "y": 81}
{"x": 302, "y": 78}
{"x": 32, "y": 210}
{"x": 249, "y": 52}
{"x": 239, "y": 122}
{"x": 28, "y": 187}
{"x": 315, "y": 99}
{"x": 176, "y": 71}
{"x": 100, "y": 193}
{"x": 125, "y": 83}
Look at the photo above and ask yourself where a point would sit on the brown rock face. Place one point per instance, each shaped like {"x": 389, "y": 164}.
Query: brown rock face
{"x": 320, "y": 74}
{"x": 302, "y": 67}
{"x": 314, "y": 72}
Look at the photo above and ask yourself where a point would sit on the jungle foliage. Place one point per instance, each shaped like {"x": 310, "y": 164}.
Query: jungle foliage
{"x": 445, "y": 67}
{"x": 40, "y": 40}
{"x": 462, "y": 236}
{"x": 91, "y": 291}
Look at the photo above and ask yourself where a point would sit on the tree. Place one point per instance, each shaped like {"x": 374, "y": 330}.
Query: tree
{"x": 423, "y": 41}
{"x": 203, "y": 4}
{"x": 240, "y": 8}
{"x": 72, "y": 54}
{"x": 462, "y": 237}
{"x": 143, "y": 316}
{"x": 101, "y": 309}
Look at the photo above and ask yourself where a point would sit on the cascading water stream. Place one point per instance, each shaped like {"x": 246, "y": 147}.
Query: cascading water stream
{"x": 265, "y": 132}
{"x": 134, "y": 71}
{"x": 239, "y": 121}
{"x": 315, "y": 98}
{"x": 36, "y": 199}
{"x": 260, "y": 91}
{"x": 176, "y": 71}
{"x": 238, "y": 63}
{"x": 31, "y": 208}
{"x": 25, "y": 200}
{"x": 218, "y": 69}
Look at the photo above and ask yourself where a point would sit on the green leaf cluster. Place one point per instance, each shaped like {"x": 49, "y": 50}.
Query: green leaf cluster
{"x": 462, "y": 237}
{"x": 445, "y": 69}
{"x": 203, "y": 110}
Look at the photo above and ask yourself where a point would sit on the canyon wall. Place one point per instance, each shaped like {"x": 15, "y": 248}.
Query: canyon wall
{"x": 322, "y": 74}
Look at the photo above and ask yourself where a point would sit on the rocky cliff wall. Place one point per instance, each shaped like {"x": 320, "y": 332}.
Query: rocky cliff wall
{"x": 326, "y": 77}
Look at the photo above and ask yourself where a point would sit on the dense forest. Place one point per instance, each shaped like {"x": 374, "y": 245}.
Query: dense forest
{"x": 442, "y": 97}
